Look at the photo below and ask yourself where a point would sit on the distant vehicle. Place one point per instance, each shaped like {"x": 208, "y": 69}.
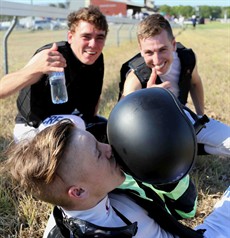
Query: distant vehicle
{"x": 44, "y": 24}
{"x": 63, "y": 24}
{"x": 4, "y": 25}
{"x": 188, "y": 22}
{"x": 201, "y": 20}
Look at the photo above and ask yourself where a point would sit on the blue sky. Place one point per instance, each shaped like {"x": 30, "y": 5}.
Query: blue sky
{"x": 157, "y": 2}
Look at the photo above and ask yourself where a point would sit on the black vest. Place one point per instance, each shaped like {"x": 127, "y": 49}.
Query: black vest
{"x": 156, "y": 210}
{"x": 137, "y": 63}
{"x": 84, "y": 86}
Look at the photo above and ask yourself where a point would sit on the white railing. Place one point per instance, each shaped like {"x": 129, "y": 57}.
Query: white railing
{"x": 21, "y": 9}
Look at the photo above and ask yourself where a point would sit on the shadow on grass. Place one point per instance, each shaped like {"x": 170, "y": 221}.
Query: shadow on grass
{"x": 211, "y": 173}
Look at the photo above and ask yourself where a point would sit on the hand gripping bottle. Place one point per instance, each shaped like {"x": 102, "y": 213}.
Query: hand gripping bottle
{"x": 58, "y": 87}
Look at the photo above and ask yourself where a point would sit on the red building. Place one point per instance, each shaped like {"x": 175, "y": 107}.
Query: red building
{"x": 110, "y": 8}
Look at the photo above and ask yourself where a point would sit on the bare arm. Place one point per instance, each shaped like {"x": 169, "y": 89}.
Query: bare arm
{"x": 132, "y": 84}
{"x": 197, "y": 92}
{"x": 43, "y": 62}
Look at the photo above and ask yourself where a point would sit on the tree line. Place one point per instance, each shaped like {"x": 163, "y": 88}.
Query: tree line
{"x": 200, "y": 11}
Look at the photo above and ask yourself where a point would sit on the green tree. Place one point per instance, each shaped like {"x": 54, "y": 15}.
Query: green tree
{"x": 205, "y": 11}
{"x": 165, "y": 10}
{"x": 216, "y": 12}
{"x": 225, "y": 10}
{"x": 186, "y": 11}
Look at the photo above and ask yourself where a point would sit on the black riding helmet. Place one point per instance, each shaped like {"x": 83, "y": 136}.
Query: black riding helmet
{"x": 151, "y": 137}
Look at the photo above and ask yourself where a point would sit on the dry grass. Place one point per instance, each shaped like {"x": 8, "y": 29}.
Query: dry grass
{"x": 22, "y": 216}
{"x": 212, "y": 47}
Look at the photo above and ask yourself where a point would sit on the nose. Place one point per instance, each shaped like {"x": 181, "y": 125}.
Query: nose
{"x": 92, "y": 42}
{"x": 156, "y": 58}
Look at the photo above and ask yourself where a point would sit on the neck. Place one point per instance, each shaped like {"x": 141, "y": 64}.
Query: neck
{"x": 82, "y": 204}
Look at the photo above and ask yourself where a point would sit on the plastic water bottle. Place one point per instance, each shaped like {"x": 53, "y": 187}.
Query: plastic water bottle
{"x": 58, "y": 88}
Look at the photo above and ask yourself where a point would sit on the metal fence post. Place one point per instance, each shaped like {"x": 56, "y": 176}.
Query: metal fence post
{"x": 5, "y": 57}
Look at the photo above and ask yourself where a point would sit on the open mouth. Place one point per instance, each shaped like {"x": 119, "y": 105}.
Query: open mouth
{"x": 91, "y": 52}
{"x": 159, "y": 67}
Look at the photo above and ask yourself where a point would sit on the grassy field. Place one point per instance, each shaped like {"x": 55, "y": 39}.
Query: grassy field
{"x": 22, "y": 216}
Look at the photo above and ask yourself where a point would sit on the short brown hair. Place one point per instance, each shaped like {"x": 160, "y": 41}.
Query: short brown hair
{"x": 153, "y": 25}
{"x": 92, "y": 14}
{"x": 33, "y": 164}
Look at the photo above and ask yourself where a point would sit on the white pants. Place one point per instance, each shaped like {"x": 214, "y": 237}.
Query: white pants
{"x": 215, "y": 137}
{"x": 23, "y": 131}
{"x": 217, "y": 224}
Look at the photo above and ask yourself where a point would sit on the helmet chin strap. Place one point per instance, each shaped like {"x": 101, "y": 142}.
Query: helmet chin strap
{"x": 200, "y": 121}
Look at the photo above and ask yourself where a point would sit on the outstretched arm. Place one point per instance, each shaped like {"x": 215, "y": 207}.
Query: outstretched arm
{"x": 44, "y": 62}
{"x": 197, "y": 92}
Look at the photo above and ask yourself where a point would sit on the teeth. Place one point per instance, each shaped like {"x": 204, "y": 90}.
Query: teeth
{"x": 159, "y": 66}
{"x": 91, "y": 53}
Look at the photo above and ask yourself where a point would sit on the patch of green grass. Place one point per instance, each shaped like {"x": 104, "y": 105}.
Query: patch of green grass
{"x": 214, "y": 25}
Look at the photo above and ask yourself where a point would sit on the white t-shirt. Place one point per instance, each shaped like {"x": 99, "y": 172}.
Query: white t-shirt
{"x": 173, "y": 75}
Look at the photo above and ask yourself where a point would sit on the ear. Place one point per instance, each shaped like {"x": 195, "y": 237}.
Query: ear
{"x": 69, "y": 37}
{"x": 174, "y": 44}
{"x": 77, "y": 192}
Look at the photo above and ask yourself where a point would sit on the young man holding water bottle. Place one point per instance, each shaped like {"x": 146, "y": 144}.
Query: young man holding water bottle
{"x": 81, "y": 60}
